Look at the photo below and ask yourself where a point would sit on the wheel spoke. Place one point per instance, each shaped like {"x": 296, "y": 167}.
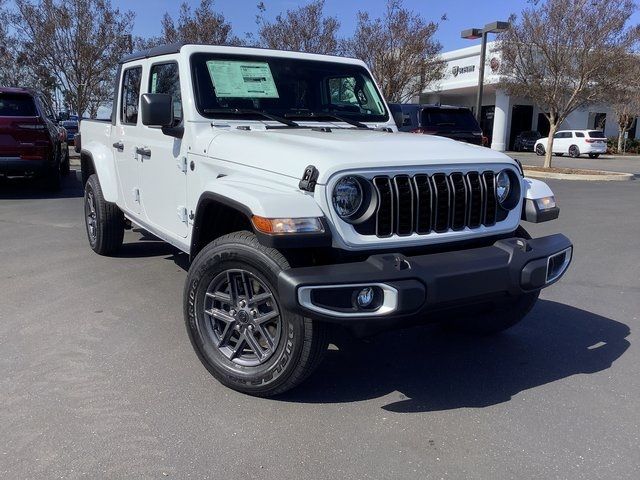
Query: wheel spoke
{"x": 262, "y": 297}
{"x": 233, "y": 287}
{"x": 248, "y": 291}
{"x": 220, "y": 315}
{"x": 220, "y": 296}
{"x": 238, "y": 348}
{"x": 253, "y": 344}
{"x": 226, "y": 335}
{"x": 265, "y": 333}
{"x": 266, "y": 317}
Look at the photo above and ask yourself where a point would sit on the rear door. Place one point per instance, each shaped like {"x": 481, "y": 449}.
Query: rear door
{"x": 164, "y": 177}
{"x": 124, "y": 135}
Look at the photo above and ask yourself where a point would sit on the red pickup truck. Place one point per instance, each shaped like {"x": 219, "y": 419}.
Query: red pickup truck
{"x": 31, "y": 143}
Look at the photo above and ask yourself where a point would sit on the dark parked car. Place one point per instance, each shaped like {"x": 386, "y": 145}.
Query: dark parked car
{"x": 71, "y": 126}
{"x": 31, "y": 143}
{"x": 457, "y": 123}
{"x": 525, "y": 141}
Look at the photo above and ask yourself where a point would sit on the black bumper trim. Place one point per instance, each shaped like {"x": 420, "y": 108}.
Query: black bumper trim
{"x": 429, "y": 282}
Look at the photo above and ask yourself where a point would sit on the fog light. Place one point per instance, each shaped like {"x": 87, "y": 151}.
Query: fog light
{"x": 365, "y": 297}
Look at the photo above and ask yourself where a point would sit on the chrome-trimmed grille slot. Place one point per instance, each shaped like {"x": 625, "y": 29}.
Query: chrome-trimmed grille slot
{"x": 404, "y": 205}
{"x": 423, "y": 204}
{"x": 384, "y": 212}
{"x": 424, "y": 201}
{"x": 491, "y": 201}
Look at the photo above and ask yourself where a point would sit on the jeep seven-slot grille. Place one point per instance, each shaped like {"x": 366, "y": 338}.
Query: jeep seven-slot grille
{"x": 432, "y": 203}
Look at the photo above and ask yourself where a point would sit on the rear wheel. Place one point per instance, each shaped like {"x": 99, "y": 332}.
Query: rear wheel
{"x": 540, "y": 150}
{"x": 574, "y": 151}
{"x": 594, "y": 155}
{"x": 237, "y": 325}
{"x": 104, "y": 220}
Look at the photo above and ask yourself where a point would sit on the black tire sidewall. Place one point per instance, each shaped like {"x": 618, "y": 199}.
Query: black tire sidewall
{"x": 277, "y": 369}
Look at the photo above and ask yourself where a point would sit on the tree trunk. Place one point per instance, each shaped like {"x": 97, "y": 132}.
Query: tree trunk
{"x": 553, "y": 127}
{"x": 620, "y": 140}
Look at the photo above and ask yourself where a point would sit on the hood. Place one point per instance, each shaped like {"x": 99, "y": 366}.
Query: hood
{"x": 287, "y": 151}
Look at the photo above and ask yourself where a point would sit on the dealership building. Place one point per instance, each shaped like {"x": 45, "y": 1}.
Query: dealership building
{"x": 503, "y": 116}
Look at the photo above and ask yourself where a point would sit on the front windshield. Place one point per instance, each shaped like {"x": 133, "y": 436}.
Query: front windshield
{"x": 231, "y": 86}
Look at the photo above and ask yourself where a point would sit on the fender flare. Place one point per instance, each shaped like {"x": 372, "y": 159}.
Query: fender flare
{"x": 251, "y": 201}
{"x": 104, "y": 166}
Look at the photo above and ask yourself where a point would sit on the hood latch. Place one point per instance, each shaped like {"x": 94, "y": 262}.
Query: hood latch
{"x": 309, "y": 179}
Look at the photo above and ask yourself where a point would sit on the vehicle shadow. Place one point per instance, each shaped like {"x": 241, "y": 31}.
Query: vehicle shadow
{"x": 434, "y": 370}
{"x": 23, "y": 188}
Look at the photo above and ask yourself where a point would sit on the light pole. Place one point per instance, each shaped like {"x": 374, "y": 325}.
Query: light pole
{"x": 473, "y": 34}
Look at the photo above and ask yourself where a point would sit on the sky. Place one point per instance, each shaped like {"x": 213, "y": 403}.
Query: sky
{"x": 461, "y": 14}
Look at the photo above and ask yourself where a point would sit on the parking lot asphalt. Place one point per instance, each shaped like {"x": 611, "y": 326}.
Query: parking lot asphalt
{"x": 98, "y": 379}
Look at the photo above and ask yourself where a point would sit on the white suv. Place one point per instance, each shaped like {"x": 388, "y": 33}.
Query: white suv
{"x": 575, "y": 143}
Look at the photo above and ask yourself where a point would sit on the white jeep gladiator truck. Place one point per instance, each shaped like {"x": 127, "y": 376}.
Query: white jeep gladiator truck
{"x": 283, "y": 176}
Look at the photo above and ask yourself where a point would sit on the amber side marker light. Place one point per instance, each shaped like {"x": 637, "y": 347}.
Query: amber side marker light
{"x": 274, "y": 226}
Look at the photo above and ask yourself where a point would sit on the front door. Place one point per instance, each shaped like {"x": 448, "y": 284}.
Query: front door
{"x": 123, "y": 139}
{"x": 164, "y": 177}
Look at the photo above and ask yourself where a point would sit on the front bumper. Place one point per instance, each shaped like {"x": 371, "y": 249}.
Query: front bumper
{"x": 418, "y": 285}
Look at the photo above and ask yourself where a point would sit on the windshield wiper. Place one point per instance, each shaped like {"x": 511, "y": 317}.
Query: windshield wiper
{"x": 340, "y": 118}
{"x": 249, "y": 111}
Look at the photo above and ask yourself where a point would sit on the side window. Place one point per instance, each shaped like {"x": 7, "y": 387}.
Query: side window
{"x": 559, "y": 135}
{"x": 342, "y": 91}
{"x": 579, "y": 134}
{"x": 165, "y": 78}
{"x": 130, "y": 95}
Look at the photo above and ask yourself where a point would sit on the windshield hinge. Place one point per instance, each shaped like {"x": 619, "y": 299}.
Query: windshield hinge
{"x": 309, "y": 179}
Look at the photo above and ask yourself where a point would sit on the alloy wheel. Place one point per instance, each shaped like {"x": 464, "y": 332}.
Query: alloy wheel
{"x": 242, "y": 317}
{"x": 91, "y": 216}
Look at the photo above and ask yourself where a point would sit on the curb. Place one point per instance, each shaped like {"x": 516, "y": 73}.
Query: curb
{"x": 603, "y": 177}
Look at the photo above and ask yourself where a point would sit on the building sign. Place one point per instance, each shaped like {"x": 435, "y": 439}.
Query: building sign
{"x": 494, "y": 64}
{"x": 457, "y": 70}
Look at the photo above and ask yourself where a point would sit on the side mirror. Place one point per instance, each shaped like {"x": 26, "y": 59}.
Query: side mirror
{"x": 157, "y": 109}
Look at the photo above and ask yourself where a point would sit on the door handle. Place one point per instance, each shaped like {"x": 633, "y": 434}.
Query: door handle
{"x": 119, "y": 146}
{"x": 143, "y": 151}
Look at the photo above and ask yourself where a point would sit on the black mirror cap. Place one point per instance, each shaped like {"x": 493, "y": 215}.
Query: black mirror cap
{"x": 157, "y": 109}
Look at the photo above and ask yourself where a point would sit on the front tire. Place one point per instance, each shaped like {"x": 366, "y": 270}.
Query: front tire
{"x": 237, "y": 324}
{"x": 104, "y": 220}
{"x": 574, "y": 151}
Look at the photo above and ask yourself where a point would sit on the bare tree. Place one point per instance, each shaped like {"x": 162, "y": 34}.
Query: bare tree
{"x": 624, "y": 97}
{"x": 77, "y": 42}
{"x": 564, "y": 55}
{"x": 400, "y": 49}
{"x": 305, "y": 29}
{"x": 204, "y": 25}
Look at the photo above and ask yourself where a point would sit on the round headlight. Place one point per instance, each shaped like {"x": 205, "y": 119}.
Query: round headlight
{"x": 503, "y": 186}
{"x": 347, "y": 196}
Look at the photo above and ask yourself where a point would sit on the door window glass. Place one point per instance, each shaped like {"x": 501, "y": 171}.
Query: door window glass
{"x": 165, "y": 78}
{"x": 130, "y": 95}
{"x": 579, "y": 134}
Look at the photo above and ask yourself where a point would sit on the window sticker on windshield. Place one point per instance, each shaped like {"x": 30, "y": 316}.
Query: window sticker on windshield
{"x": 242, "y": 79}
